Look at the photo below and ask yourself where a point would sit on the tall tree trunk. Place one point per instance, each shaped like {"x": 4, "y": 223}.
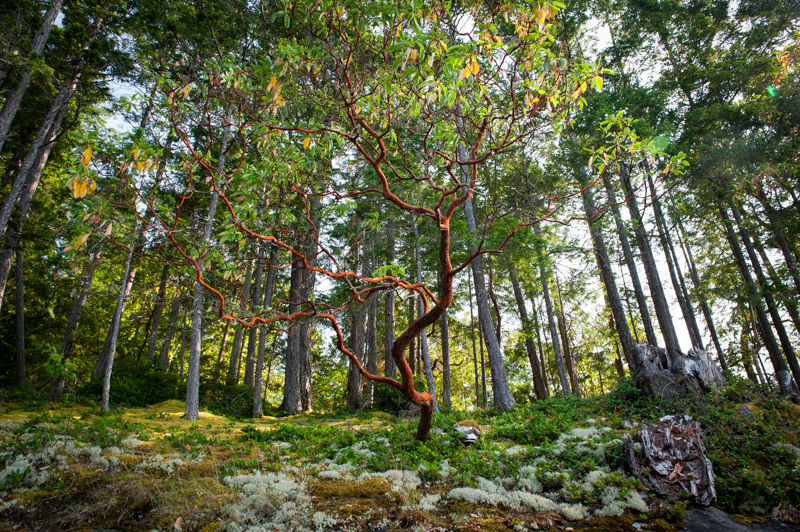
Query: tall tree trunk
{"x": 424, "y": 349}
{"x": 236, "y": 351}
{"x": 372, "y": 345}
{"x": 644, "y": 312}
{"x": 22, "y": 208}
{"x": 196, "y": 336}
{"x": 165, "y": 359}
{"x": 536, "y": 371}
{"x": 780, "y": 238}
{"x": 674, "y": 272}
{"x": 116, "y": 320}
{"x": 269, "y": 290}
{"x": 478, "y": 402}
{"x": 495, "y": 306}
{"x": 789, "y": 303}
{"x": 503, "y": 399}
{"x": 252, "y": 334}
{"x": 390, "y": 368}
{"x": 221, "y": 353}
{"x": 412, "y": 347}
{"x": 127, "y": 275}
{"x": 14, "y": 98}
{"x": 562, "y": 370}
{"x": 569, "y": 359}
{"x": 778, "y": 362}
{"x": 777, "y": 321}
{"x": 157, "y": 310}
{"x": 20, "y": 319}
{"x": 687, "y": 255}
{"x": 292, "y": 397}
{"x": 653, "y": 279}
{"x": 74, "y": 316}
{"x": 607, "y": 274}
{"x": 306, "y": 326}
{"x": 183, "y": 347}
{"x": 31, "y": 170}
{"x": 542, "y": 364}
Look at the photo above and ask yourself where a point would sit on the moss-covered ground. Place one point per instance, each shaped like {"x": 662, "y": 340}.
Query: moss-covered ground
{"x": 545, "y": 466}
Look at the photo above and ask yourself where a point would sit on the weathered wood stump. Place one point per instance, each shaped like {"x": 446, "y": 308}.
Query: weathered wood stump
{"x": 659, "y": 377}
{"x": 673, "y": 459}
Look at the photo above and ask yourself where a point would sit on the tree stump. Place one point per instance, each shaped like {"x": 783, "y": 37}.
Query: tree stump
{"x": 657, "y": 376}
{"x": 673, "y": 459}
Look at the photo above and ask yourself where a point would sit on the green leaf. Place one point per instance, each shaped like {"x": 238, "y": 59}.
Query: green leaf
{"x": 657, "y": 144}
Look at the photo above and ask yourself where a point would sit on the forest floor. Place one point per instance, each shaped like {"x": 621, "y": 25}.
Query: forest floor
{"x": 550, "y": 465}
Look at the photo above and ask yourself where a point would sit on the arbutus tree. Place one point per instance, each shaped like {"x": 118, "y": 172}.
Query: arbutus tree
{"x": 421, "y": 97}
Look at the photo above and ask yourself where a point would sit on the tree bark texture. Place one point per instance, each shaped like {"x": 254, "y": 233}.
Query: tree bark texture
{"x": 166, "y": 359}
{"x": 252, "y": 334}
{"x": 269, "y": 290}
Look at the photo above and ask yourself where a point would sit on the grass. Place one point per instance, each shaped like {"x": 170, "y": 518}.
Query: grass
{"x": 348, "y": 465}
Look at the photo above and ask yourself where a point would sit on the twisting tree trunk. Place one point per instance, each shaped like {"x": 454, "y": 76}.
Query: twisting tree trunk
{"x": 114, "y": 332}
{"x": 196, "y": 337}
{"x": 536, "y": 371}
{"x": 74, "y": 316}
{"x": 653, "y": 279}
{"x": 425, "y": 351}
{"x": 687, "y": 255}
{"x": 14, "y": 98}
{"x": 562, "y": 370}
{"x": 157, "y": 309}
{"x": 674, "y": 272}
{"x": 236, "y": 351}
{"x": 20, "y": 319}
{"x": 644, "y": 312}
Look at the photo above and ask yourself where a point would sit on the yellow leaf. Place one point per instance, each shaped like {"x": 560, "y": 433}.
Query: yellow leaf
{"x": 77, "y": 189}
{"x": 86, "y": 158}
{"x": 185, "y": 90}
{"x": 140, "y": 165}
{"x": 135, "y": 153}
{"x": 475, "y": 66}
{"x": 430, "y": 61}
{"x": 466, "y": 72}
{"x": 306, "y": 142}
{"x": 272, "y": 83}
{"x": 316, "y": 70}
